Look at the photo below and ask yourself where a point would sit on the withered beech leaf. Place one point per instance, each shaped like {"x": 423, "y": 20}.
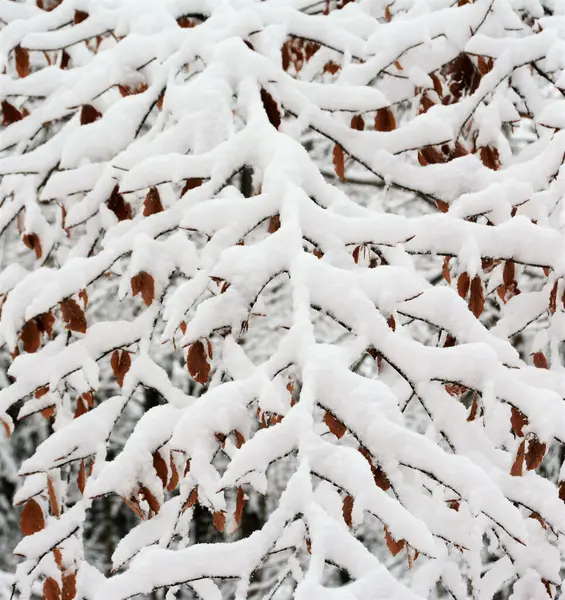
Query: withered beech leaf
{"x": 150, "y": 499}
{"x": 73, "y": 315}
{"x": 51, "y": 589}
{"x": 476, "y": 300}
{"x": 334, "y": 425}
{"x": 32, "y": 519}
{"x": 339, "y": 161}
{"x": 160, "y": 467}
{"x": 553, "y": 298}
{"x": 31, "y": 240}
{"x": 535, "y": 453}
{"x": 31, "y": 336}
{"x": 121, "y": 362}
{"x": 152, "y": 204}
{"x": 517, "y": 469}
{"x": 53, "y": 500}
{"x": 540, "y": 361}
{"x": 197, "y": 362}
{"x": 81, "y": 479}
{"x": 119, "y": 206}
{"x": 357, "y": 123}
{"x": 518, "y": 420}
{"x": 190, "y": 184}
{"x": 7, "y": 428}
{"x": 88, "y": 114}
{"x": 385, "y": 120}
{"x": 274, "y": 224}
{"x": 80, "y": 16}
{"x": 22, "y": 61}
{"x": 347, "y": 510}
{"x": 219, "y": 520}
{"x": 69, "y": 586}
{"x": 508, "y": 273}
{"x": 463, "y": 282}
{"x": 490, "y": 157}
{"x": 271, "y": 108}
{"x": 144, "y": 284}
{"x": 239, "y": 506}
{"x": 474, "y": 408}
{"x": 10, "y": 114}
{"x": 393, "y": 546}
{"x": 174, "y": 480}
{"x": 445, "y": 269}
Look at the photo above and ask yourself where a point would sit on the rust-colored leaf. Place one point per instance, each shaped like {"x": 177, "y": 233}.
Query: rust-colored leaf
{"x": 126, "y": 90}
{"x": 430, "y": 156}
{"x": 518, "y": 465}
{"x": 51, "y": 590}
{"x": 152, "y": 204}
{"x": 274, "y": 224}
{"x": 73, "y": 315}
{"x": 347, "y": 510}
{"x": 80, "y": 16}
{"x": 219, "y": 520}
{"x": 385, "y": 120}
{"x": 192, "y": 498}
{"x": 490, "y": 157}
{"x": 339, "y": 162}
{"x": 357, "y": 123}
{"x": 45, "y": 322}
{"x": 88, "y": 114}
{"x": 144, "y": 284}
{"x": 508, "y": 273}
{"x": 31, "y": 240}
{"x": 474, "y": 408}
{"x": 381, "y": 480}
{"x": 335, "y": 425}
{"x": 445, "y": 269}
{"x": 48, "y": 412}
{"x": 535, "y": 453}
{"x": 518, "y": 420}
{"x": 81, "y": 407}
{"x": 553, "y": 298}
{"x": 31, "y": 336}
{"x": 22, "y": 61}
{"x": 239, "y": 439}
{"x": 190, "y": 184}
{"x": 331, "y": 67}
{"x": 10, "y": 114}
{"x": 7, "y": 428}
{"x": 119, "y": 206}
{"x": 388, "y": 16}
{"x": 197, "y": 362}
{"x": 562, "y": 491}
{"x": 442, "y": 205}
{"x": 393, "y": 546}
{"x": 271, "y": 108}
{"x": 58, "y": 556}
{"x": 53, "y": 501}
{"x": 150, "y": 499}
{"x": 540, "y": 361}
{"x": 69, "y": 586}
{"x": 454, "y": 504}
{"x": 32, "y": 519}
{"x": 476, "y": 300}
{"x": 174, "y": 480}
{"x": 81, "y": 479}
{"x": 160, "y": 467}
{"x": 463, "y": 284}
{"x": 239, "y": 506}
{"x": 121, "y": 363}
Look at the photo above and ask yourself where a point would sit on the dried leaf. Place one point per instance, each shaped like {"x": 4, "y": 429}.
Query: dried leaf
{"x": 160, "y": 467}
{"x": 197, "y": 362}
{"x": 335, "y": 425}
{"x": 388, "y": 16}
{"x": 121, "y": 363}
{"x": 509, "y": 272}
{"x": 239, "y": 439}
{"x": 442, "y": 206}
{"x": 31, "y": 519}
{"x": 331, "y": 67}
{"x": 150, "y": 499}
{"x": 7, "y": 428}
{"x": 274, "y": 224}
{"x": 445, "y": 269}
{"x": 192, "y": 498}
{"x": 144, "y": 284}
{"x": 69, "y": 586}
{"x": 239, "y": 506}
{"x": 385, "y": 120}
{"x": 152, "y": 204}
{"x": 119, "y": 206}
{"x": 81, "y": 479}
{"x": 381, "y": 480}
{"x": 31, "y": 240}
{"x": 518, "y": 465}
{"x": 490, "y": 157}
{"x": 53, "y": 501}
{"x": 81, "y": 407}
{"x": 518, "y": 420}
{"x": 10, "y": 114}
{"x": 476, "y": 300}
{"x": 430, "y": 156}
{"x": 357, "y": 123}
{"x": 31, "y": 336}
{"x": 80, "y": 16}
{"x": 48, "y": 412}
{"x": 219, "y": 520}
{"x": 474, "y": 408}
{"x": 88, "y": 114}
{"x": 190, "y": 184}
{"x": 45, "y": 322}
{"x": 73, "y": 315}
{"x": 51, "y": 590}
{"x": 22, "y": 61}
{"x": 393, "y": 546}
{"x": 535, "y": 453}
{"x": 339, "y": 161}
{"x": 347, "y": 510}
{"x": 463, "y": 284}
{"x": 553, "y": 298}
{"x": 271, "y": 108}
{"x": 58, "y": 556}
{"x": 174, "y": 480}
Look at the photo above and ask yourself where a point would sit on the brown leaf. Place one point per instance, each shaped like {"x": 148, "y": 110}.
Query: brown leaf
{"x": 339, "y": 162}
{"x": 81, "y": 407}
{"x": 174, "y": 481}
{"x": 553, "y": 298}
{"x": 190, "y": 184}
{"x": 474, "y": 408}
{"x": 126, "y": 90}
{"x": 152, "y": 204}
{"x": 144, "y": 284}
{"x": 463, "y": 284}
{"x": 121, "y": 362}
{"x": 540, "y": 361}
{"x": 442, "y": 206}
{"x": 357, "y": 123}
{"x": 445, "y": 269}
{"x": 274, "y": 224}
{"x": 219, "y": 520}
{"x": 150, "y": 499}
{"x": 88, "y": 114}
{"x": 391, "y": 322}
{"x": 535, "y": 453}
{"x": 81, "y": 480}
{"x": 160, "y": 467}
{"x": 51, "y": 590}
{"x": 454, "y": 504}
{"x": 22, "y": 61}
{"x": 385, "y": 120}
{"x": 490, "y": 157}
{"x": 53, "y": 502}
{"x": 58, "y": 556}
{"x": 48, "y": 412}
{"x": 239, "y": 506}
{"x": 119, "y": 206}
{"x": 388, "y": 16}
{"x": 562, "y": 491}
{"x": 518, "y": 420}
{"x": 331, "y": 67}
{"x": 10, "y": 114}
{"x": 509, "y": 272}
{"x": 69, "y": 586}
{"x": 197, "y": 362}
{"x": 271, "y": 108}
{"x": 7, "y": 428}
{"x": 31, "y": 336}
{"x": 192, "y": 498}
{"x": 73, "y": 315}
{"x": 31, "y": 519}
{"x": 239, "y": 439}
{"x": 347, "y": 510}
{"x": 335, "y": 425}
{"x": 45, "y": 322}
{"x": 80, "y": 16}
{"x": 476, "y": 300}
{"x": 518, "y": 465}
{"x": 430, "y": 156}
{"x": 393, "y": 546}
{"x": 31, "y": 240}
